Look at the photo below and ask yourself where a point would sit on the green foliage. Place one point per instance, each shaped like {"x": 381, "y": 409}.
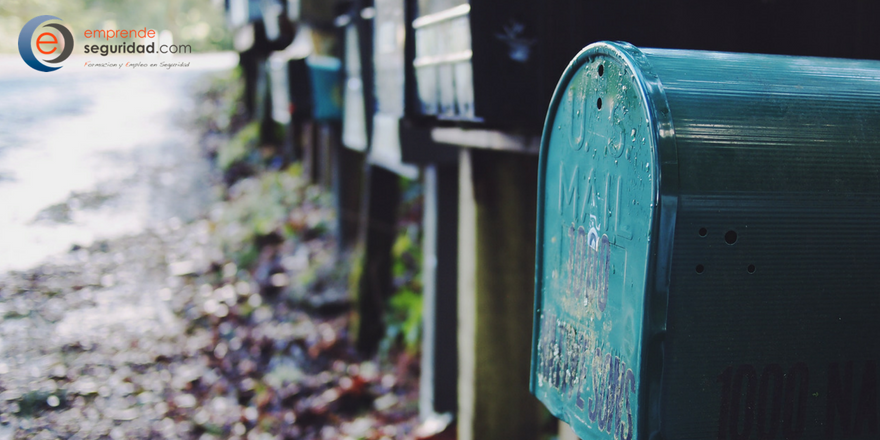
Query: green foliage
{"x": 221, "y": 108}
{"x": 407, "y": 256}
{"x": 34, "y": 402}
{"x": 404, "y": 319}
{"x": 237, "y": 149}
{"x": 263, "y": 205}
{"x": 356, "y": 264}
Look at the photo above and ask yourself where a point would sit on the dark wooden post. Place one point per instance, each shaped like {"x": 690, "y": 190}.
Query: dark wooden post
{"x": 381, "y": 201}
{"x": 348, "y": 178}
{"x": 496, "y": 281}
{"x": 326, "y": 137}
{"x": 308, "y": 153}
{"x": 249, "y": 61}
{"x": 439, "y": 302}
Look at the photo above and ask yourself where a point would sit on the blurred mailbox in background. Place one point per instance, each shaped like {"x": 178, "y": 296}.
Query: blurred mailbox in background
{"x": 354, "y": 121}
{"x": 707, "y": 246}
{"x": 305, "y": 86}
{"x": 443, "y": 65}
{"x": 492, "y": 62}
{"x": 473, "y": 58}
{"x": 325, "y": 73}
{"x": 241, "y": 12}
{"x": 389, "y": 62}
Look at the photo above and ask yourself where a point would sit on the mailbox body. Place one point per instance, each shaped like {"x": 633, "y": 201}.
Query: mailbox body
{"x": 325, "y": 74}
{"x": 389, "y": 68}
{"x": 306, "y": 88}
{"x": 707, "y": 246}
{"x": 472, "y": 56}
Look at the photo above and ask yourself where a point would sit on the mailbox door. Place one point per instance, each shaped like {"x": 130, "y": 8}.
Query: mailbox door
{"x": 388, "y": 56}
{"x": 278, "y": 87}
{"x": 596, "y": 217}
{"x": 354, "y": 119}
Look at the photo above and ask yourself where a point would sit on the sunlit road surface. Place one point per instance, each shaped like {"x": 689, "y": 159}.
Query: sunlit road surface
{"x": 88, "y": 153}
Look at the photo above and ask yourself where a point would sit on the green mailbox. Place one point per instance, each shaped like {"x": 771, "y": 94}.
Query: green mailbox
{"x": 708, "y": 250}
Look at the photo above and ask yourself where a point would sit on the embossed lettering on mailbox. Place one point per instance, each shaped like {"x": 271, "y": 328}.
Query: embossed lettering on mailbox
{"x": 597, "y": 216}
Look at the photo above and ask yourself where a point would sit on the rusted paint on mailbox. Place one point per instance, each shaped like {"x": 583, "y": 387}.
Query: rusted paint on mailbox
{"x": 707, "y": 247}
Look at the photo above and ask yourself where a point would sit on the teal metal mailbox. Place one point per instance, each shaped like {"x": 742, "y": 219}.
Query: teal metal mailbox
{"x": 708, "y": 262}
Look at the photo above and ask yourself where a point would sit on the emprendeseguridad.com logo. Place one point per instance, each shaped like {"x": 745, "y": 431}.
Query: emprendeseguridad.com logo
{"x": 47, "y": 43}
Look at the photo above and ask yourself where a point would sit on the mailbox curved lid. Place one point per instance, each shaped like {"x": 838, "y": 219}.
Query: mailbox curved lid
{"x": 607, "y": 141}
